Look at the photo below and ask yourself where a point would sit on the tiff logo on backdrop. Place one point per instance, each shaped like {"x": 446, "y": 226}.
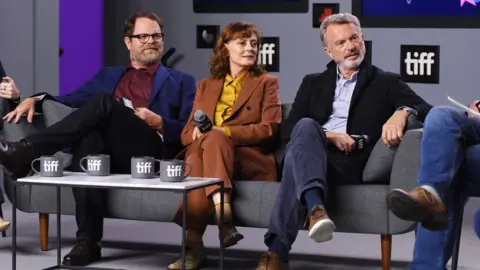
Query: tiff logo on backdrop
{"x": 174, "y": 170}
{"x": 144, "y": 167}
{"x": 269, "y": 53}
{"x": 94, "y": 165}
{"x": 420, "y": 63}
{"x": 50, "y": 165}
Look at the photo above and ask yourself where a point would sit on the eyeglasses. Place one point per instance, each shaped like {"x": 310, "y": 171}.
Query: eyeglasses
{"x": 143, "y": 38}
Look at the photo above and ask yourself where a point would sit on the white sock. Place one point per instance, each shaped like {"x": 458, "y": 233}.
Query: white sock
{"x": 432, "y": 191}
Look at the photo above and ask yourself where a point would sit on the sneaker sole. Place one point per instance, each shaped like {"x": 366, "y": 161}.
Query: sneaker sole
{"x": 406, "y": 208}
{"x": 322, "y": 231}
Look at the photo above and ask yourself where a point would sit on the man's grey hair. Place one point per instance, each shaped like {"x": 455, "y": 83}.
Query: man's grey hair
{"x": 340, "y": 18}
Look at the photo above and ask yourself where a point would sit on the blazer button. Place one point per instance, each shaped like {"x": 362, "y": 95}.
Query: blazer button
{"x": 249, "y": 108}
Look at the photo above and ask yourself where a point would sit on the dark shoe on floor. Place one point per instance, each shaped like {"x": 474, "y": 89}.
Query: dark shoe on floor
{"x": 270, "y": 261}
{"x": 15, "y": 157}
{"x": 82, "y": 254}
{"x": 418, "y": 205}
{"x": 320, "y": 226}
{"x": 231, "y": 236}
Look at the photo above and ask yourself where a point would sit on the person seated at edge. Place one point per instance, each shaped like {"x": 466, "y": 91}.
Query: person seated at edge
{"x": 242, "y": 101}
{"x": 350, "y": 97}
{"x": 449, "y": 148}
{"x": 162, "y": 98}
{"x": 10, "y": 95}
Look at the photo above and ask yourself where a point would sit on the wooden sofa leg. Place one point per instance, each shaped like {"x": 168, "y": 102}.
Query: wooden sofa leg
{"x": 43, "y": 231}
{"x": 386, "y": 251}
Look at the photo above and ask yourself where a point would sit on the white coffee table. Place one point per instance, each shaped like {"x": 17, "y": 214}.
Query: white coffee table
{"x": 114, "y": 181}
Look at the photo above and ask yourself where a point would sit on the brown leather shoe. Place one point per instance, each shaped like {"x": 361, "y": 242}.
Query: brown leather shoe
{"x": 320, "y": 226}
{"x": 270, "y": 261}
{"x": 418, "y": 205}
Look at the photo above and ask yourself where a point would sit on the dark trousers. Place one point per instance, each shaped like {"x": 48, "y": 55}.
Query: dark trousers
{"x": 305, "y": 166}
{"x": 101, "y": 126}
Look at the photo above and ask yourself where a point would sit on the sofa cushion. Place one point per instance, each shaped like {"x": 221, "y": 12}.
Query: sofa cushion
{"x": 357, "y": 208}
{"x": 280, "y": 152}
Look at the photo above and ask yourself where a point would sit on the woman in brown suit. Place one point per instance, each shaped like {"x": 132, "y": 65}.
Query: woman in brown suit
{"x": 243, "y": 103}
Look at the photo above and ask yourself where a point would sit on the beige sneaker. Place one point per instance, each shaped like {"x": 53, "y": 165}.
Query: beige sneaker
{"x": 193, "y": 260}
{"x": 320, "y": 226}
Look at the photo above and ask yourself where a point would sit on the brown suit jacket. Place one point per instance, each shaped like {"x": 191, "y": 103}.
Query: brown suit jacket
{"x": 254, "y": 123}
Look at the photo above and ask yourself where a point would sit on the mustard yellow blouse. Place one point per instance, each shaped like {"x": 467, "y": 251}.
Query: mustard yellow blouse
{"x": 230, "y": 93}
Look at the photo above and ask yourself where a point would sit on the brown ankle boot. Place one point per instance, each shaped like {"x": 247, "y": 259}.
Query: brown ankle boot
{"x": 231, "y": 236}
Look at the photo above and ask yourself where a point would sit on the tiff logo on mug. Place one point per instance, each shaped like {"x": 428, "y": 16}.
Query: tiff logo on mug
{"x": 174, "y": 170}
{"x": 50, "y": 165}
{"x": 144, "y": 167}
{"x": 94, "y": 165}
{"x": 420, "y": 63}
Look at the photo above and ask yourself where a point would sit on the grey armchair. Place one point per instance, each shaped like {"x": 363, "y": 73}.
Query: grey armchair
{"x": 358, "y": 208}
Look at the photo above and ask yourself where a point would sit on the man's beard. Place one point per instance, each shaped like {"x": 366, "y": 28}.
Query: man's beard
{"x": 148, "y": 58}
{"x": 353, "y": 64}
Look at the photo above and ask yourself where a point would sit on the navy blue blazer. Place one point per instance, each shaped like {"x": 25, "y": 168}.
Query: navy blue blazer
{"x": 172, "y": 96}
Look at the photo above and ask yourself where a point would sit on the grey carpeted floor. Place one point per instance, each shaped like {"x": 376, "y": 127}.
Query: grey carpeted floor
{"x": 147, "y": 245}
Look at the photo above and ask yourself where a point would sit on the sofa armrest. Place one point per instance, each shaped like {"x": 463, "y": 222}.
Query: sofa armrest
{"x": 14, "y": 132}
{"x": 379, "y": 165}
{"x": 407, "y": 161}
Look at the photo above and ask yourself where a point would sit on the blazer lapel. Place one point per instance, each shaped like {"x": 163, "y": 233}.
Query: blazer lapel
{"x": 249, "y": 86}
{"x": 327, "y": 94}
{"x": 161, "y": 77}
{"x": 210, "y": 96}
{"x": 363, "y": 77}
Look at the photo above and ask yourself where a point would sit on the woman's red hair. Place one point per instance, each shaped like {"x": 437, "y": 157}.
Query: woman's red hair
{"x": 219, "y": 63}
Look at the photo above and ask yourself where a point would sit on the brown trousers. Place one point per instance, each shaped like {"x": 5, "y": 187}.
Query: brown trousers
{"x": 212, "y": 155}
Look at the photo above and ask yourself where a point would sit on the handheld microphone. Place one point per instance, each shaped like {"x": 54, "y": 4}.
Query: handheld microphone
{"x": 202, "y": 122}
{"x": 360, "y": 141}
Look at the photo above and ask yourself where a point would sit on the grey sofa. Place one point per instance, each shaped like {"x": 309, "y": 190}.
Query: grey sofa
{"x": 356, "y": 208}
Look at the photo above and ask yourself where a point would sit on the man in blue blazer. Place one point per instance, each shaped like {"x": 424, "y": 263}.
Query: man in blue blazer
{"x": 161, "y": 99}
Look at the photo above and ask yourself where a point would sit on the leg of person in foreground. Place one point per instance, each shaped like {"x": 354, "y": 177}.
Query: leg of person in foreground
{"x": 303, "y": 183}
{"x": 447, "y": 135}
{"x": 476, "y": 223}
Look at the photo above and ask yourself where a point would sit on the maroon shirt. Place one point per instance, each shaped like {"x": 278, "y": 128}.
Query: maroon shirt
{"x": 136, "y": 85}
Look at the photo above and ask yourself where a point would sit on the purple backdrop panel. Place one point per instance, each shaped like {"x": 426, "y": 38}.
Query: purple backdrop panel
{"x": 81, "y": 37}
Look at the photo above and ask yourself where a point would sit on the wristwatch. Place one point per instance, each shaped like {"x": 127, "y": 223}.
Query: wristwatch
{"x": 409, "y": 110}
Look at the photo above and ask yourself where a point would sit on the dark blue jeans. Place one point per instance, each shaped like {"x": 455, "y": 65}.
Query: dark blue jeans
{"x": 304, "y": 167}
{"x": 449, "y": 147}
